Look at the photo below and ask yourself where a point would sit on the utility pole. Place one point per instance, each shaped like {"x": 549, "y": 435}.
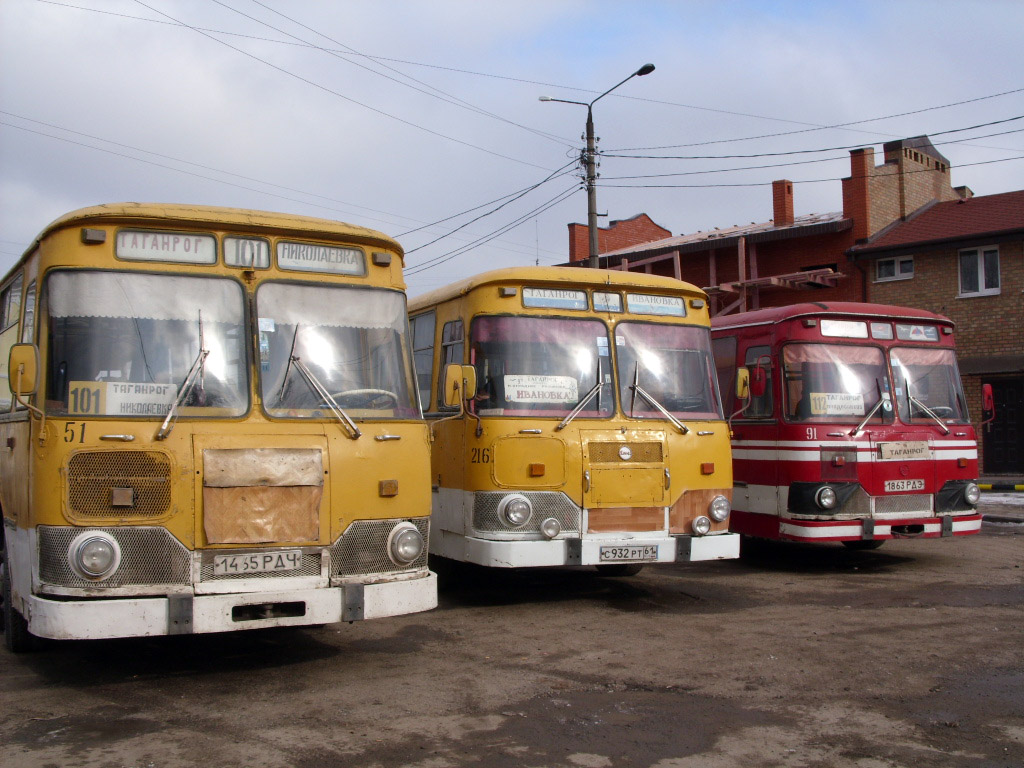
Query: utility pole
{"x": 590, "y": 161}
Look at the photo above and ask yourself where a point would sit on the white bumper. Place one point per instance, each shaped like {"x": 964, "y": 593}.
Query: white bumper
{"x": 149, "y": 616}
{"x": 525, "y": 554}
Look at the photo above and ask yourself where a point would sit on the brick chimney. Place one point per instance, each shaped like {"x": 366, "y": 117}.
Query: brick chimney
{"x": 856, "y": 198}
{"x": 782, "y": 202}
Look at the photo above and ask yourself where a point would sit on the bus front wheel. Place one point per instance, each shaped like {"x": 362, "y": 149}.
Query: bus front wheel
{"x": 17, "y": 638}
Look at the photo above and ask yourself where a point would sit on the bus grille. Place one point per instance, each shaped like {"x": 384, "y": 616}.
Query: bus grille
{"x": 363, "y": 548}
{"x": 148, "y": 556}
{"x": 92, "y": 475}
{"x": 545, "y": 504}
{"x": 608, "y": 453}
{"x": 916, "y": 504}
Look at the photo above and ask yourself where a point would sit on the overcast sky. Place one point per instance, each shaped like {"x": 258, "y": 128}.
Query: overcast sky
{"x": 416, "y": 117}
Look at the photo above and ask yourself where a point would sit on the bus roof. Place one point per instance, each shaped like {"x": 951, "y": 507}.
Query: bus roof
{"x": 570, "y": 276}
{"x": 820, "y": 309}
{"x": 246, "y": 220}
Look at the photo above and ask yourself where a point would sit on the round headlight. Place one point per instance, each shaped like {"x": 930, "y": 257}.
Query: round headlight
{"x": 550, "y": 528}
{"x": 972, "y": 493}
{"x": 701, "y": 525}
{"x": 406, "y": 543}
{"x": 719, "y": 508}
{"x": 94, "y": 555}
{"x": 826, "y": 497}
{"x": 515, "y": 510}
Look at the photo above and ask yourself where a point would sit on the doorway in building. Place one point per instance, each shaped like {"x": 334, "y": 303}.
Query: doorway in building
{"x": 1003, "y": 439}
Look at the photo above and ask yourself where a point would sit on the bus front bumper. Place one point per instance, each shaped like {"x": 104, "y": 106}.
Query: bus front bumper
{"x": 603, "y": 551}
{"x": 99, "y": 619}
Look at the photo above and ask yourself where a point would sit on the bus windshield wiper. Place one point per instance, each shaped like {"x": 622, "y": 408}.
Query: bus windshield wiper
{"x": 912, "y": 401}
{"x": 194, "y": 374}
{"x": 288, "y": 367}
{"x": 883, "y": 402}
{"x": 321, "y": 390}
{"x": 638, "y": 390}
{"x": 586, "y": 399}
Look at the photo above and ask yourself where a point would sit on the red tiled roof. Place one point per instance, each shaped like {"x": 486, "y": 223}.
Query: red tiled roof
{"x": 954, "y": 220}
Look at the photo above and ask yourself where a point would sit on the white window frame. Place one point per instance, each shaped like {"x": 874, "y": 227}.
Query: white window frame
{"x": 896, "y": 261}
{"x": 979, "y": 254}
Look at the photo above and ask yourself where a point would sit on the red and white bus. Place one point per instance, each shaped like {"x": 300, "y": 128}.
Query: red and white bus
{"x": 849, "y": 424}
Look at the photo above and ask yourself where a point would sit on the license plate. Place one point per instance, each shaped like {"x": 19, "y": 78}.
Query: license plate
{"x": 618, "y": 554}
{"x": 903, "y": 485}
{"x": 257, "y": 562}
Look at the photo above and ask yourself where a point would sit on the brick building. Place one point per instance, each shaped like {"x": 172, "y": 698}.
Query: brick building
{"x": 965, "y": 259}
{"x": 618, "y": 234}
{"x": 774, "y": 262}
{"x": 905, "y": 236}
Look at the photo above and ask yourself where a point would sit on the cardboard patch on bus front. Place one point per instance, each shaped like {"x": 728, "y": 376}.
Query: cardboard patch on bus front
{"x": 262, "y": 495}
{"x": 262, "y": 514}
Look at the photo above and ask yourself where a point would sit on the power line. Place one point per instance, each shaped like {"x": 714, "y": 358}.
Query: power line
{"x": 786, "y": 165}
{"x": 821, "y": 127}
{"x": 812, "y": 151}
{"x": 517, "y": 196}
{"x": 813, "y": 126}
{"x": 768, "y": 183}
{"x": 438, "y": 260}
{"x": 263, "y": 189}
{"x": 331, "y": 91}
{"x": 444, "y": 96}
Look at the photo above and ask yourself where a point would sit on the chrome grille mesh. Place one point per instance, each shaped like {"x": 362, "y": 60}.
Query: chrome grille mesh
{"x": 363, "y": 548}
{"x": 545, "y": 504}
{"x": 148, "y": 556}
{"x": 606, "y": 453}
{"x": 92, "y": 474}
{"x": 310, "y": 566}
{"x": 908, "y": 504}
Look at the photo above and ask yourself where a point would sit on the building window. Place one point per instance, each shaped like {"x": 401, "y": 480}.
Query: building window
{"x": 979, "y": 272}
{"x": 894, "y": 269}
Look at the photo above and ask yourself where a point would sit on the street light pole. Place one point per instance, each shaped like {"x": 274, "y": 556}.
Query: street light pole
{"x": 590, "y": 160}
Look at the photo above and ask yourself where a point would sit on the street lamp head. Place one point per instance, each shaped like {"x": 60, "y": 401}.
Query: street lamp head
{"x": 544, "y": 98}
{"x": 646, "y": 69}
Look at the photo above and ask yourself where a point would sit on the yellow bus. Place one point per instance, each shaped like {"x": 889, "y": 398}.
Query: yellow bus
{"x": 576, "y": 420}
{"x": 208, "y": 422}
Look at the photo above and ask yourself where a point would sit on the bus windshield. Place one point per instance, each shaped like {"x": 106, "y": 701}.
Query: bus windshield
{"x": 348, "y": 342}
{"x": 541, "y": 366}
{"x": 835, "y": 383}
{"x": 123, "y": 343}
{"x": 673, "y": 365}
{"x": 927, "y": 380}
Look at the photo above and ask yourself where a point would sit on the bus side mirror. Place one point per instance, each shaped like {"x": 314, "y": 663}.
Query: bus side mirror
{"x": 23, "y": 369}
{"x": 758, "y": 381}
{"x": 988, "y": 404}
{"x": 459, "y": 383}
{"x": 742, "y": 383}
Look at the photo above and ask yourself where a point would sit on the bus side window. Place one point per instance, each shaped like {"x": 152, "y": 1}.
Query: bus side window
{"x": 451, "y": 352}
{"x": 10, "y": 314}
{"x": 724, "y": 351}
{"x": 760, "y": 407}
{"x": 423, "y": 354}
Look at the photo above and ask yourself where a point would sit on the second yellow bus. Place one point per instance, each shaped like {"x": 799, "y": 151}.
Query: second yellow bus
{"x": 576, "y": 420}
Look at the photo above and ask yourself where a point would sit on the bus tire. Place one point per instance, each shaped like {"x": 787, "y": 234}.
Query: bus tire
{"x": 620, "y": 569}
{"x": 861, "y": 545}
{"x": 17, "y": 638}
